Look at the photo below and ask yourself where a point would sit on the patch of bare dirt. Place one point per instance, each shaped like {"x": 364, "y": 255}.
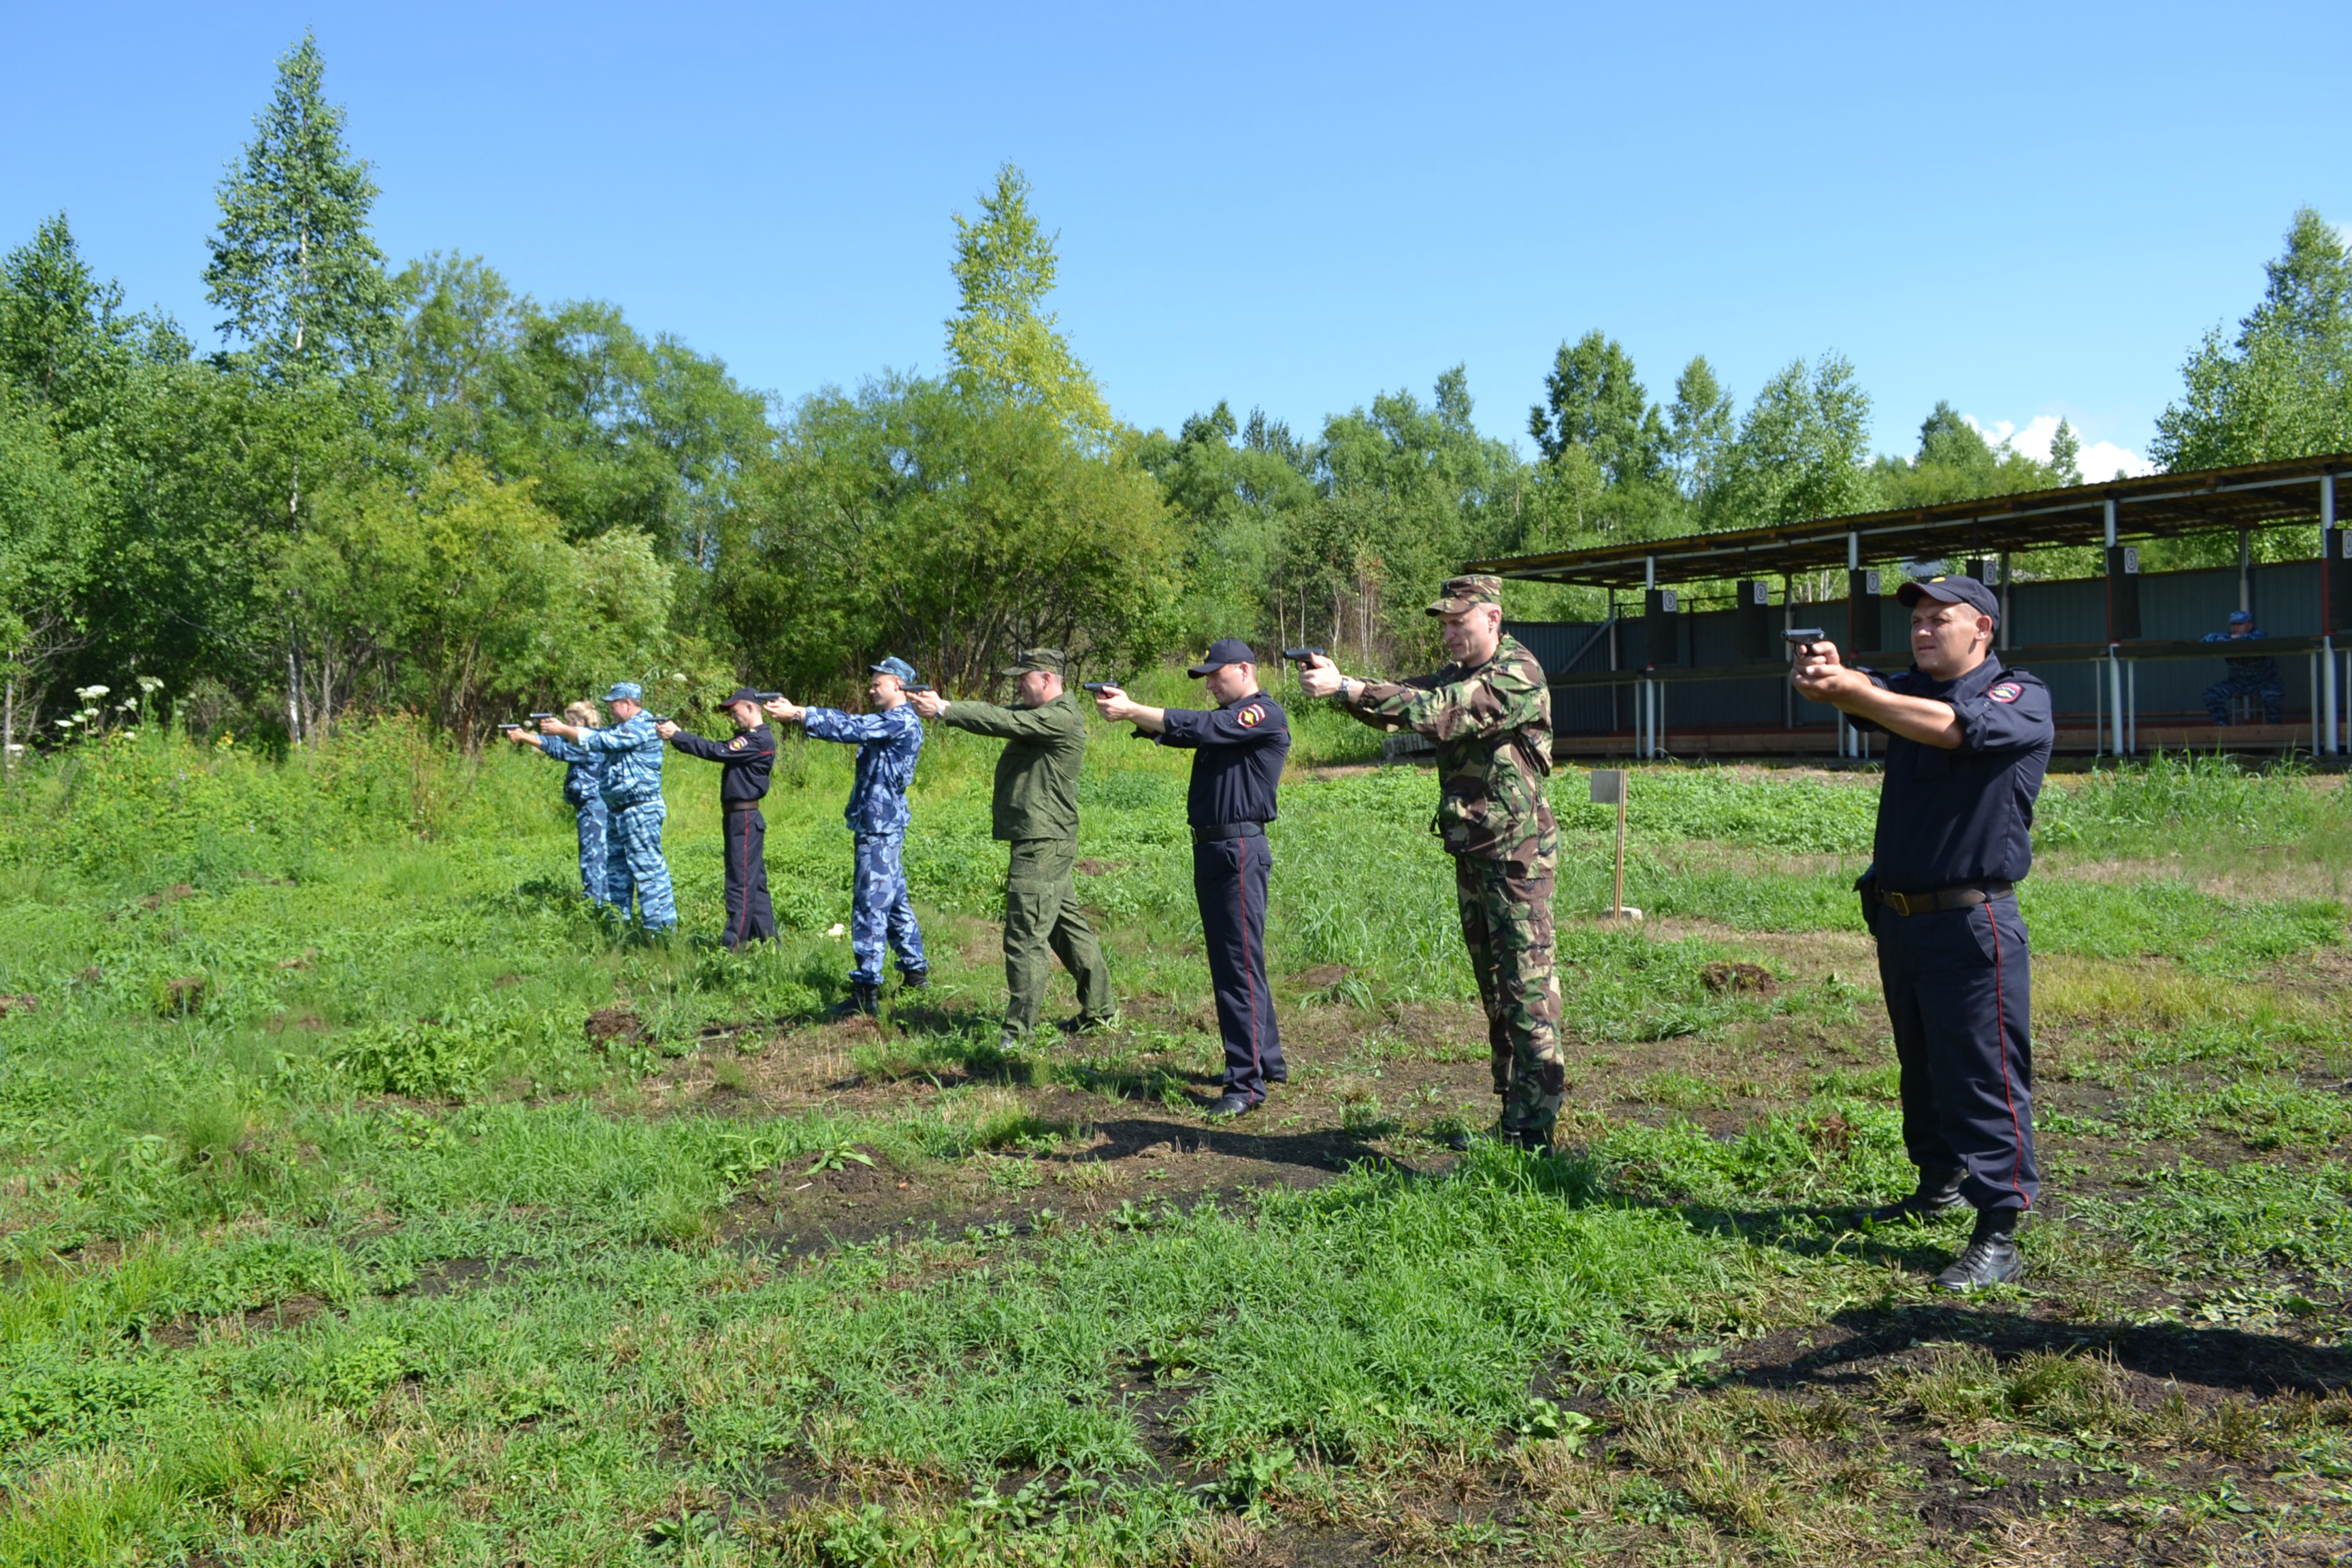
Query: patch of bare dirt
{"x": 1739, "y": 980}
{"x": 614, "y": 1024}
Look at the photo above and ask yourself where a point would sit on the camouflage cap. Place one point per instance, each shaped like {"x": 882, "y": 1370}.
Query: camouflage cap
{"x": 1460, "y": 593}
{"x": 1046, "y": 659}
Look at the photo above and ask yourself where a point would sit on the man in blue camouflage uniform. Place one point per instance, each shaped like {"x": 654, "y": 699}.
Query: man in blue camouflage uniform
{"x": 583, "y": 787}
{"x": 2256, "y": 676}
{"x": 888, "y": 740}
{"x": 631, "y": 752}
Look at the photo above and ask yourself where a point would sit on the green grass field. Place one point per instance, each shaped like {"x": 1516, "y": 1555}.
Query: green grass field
{"x": 363, "y": 1199}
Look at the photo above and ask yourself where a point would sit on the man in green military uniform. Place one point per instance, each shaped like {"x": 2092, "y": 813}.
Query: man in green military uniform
{"x": 1036, "y": 813}
{"x": 1489, "y": 713}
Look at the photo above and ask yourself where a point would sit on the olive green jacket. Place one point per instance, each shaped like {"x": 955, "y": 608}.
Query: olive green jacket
{"x": 1037, "y": 776}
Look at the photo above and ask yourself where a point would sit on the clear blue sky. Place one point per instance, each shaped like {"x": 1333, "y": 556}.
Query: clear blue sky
{"x": 2030, "y": 211}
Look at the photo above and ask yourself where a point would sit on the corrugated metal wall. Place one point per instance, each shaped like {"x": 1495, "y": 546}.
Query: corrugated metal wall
{"x": 2173, "y": 605}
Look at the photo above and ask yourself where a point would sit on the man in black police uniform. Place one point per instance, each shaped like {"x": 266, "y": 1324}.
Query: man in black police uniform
{"x": 1238, "y": 748}
{"x": 746, "y": 760}
{"x": 1967, "y": 742}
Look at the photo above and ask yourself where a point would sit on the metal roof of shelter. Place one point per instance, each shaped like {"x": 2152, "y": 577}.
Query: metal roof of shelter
{"x": 2156, "y": 506}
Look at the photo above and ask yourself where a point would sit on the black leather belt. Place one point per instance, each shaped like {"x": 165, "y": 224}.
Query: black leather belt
{"x": 1944, "y": 898}
{"x": 1228, "y": 830}
{"x": 738, "y": 806}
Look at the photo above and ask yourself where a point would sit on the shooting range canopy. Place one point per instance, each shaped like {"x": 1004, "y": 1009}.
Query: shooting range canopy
{"x": 2157, "y": 506}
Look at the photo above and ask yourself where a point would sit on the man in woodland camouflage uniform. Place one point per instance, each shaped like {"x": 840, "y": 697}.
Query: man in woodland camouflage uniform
{"x": 1489, "y": 713}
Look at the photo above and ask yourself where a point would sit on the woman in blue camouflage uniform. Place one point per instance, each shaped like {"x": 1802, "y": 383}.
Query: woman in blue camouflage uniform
{"x": 583, "y": 787}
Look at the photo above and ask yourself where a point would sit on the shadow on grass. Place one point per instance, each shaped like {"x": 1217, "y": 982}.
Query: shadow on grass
{"x": 2238, "y": 1361}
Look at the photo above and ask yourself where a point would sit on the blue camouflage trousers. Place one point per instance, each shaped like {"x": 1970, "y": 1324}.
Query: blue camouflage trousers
{"x": 634, "y": 864}
{"x": 879, "y": 910}
{"x": 591, "y": 847}
{"x": 2267, "y": 688}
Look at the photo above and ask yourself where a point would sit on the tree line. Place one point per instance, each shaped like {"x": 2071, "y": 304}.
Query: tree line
{"x": 420, "y": 489}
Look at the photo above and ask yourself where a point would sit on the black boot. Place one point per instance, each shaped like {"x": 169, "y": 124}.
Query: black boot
{"x": 1938, "y": 1190}
{"x": 1991, "y": 1257}
{"x": 914, "y": 979}
{"x": 864, "y": 997}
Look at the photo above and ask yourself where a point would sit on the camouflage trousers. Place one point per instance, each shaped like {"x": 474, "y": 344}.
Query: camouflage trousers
{"x": 634, "y": 864}
{"x": 1506, "y": 925}
{"x": 880, "y": 913}
{"x": 592, "y": 847}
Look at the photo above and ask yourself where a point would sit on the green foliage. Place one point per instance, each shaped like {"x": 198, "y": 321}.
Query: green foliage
{"x": 293, "y": 267}
{"x": 1800, "y": 450}
{"x": 951, "y": 527}
{"x": 2185, "y": 797}
{"x": 1955, "y": 462}
{"x": 1001, "y": 340}
{"x": 2283, "y": 387}
{"x": 467, "y": 590}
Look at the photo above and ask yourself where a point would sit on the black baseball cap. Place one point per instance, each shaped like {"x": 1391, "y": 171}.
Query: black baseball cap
{"x": 1950, "y": 589}
{"x": 1222, "y": 652}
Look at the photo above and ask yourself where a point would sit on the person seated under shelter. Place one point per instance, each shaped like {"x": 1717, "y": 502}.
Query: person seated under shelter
{"x": 2256, "y": 676}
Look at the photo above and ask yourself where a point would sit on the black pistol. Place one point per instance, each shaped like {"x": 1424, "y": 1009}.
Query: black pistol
{"x": 767, "y": 696}
{"x": 1802, "y": 638}
{"x": 1099, "y": 687}
{"x": 1301, "y": 655}
{"x": 914, "y": 686}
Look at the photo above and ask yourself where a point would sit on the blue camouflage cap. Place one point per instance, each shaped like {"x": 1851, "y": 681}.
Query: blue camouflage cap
{"x": 2241, "y": 616}
{"x": 895, "y": 666}
{"x": 625, "y": 691}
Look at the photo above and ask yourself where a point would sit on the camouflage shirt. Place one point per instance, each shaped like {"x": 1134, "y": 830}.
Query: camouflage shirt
{"x": 1492, "y": 724}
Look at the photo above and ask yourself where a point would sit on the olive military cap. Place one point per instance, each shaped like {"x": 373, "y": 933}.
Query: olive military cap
{"x": 1046, "y": 659}
{"x": 1461, "y": 592}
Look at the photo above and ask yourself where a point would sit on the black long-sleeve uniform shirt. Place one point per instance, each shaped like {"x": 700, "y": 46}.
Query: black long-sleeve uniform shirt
{"x": 1238, "y": 751}
{"x": 1956, "y": 817}
{"x": 747, "y": 760}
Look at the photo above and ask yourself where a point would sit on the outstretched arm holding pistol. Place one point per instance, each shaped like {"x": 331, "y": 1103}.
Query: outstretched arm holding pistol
{"x": 1819, "y": 675}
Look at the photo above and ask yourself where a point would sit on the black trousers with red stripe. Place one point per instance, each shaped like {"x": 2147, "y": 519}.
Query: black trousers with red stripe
{"x": 1229, "y": 877}
{"x": 750, "y": 916}
{"x": 1959, "y": 992}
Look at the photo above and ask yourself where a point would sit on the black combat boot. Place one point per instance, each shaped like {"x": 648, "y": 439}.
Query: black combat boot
{"x": 914, "y": 979}
{"x": 1991, "y": 1257}
{"x": 1938, "y": 1190}
{"x": 864, "y": 997}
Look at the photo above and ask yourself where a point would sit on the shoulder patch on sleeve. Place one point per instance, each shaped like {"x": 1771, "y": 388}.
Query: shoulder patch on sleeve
{"x": 2006, "y": 691}
{"x": 736, "y": 744}
{"x": 1251, "y": 715}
